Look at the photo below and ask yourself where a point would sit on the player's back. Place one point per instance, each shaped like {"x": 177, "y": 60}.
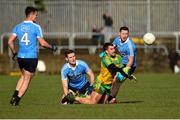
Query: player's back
{"x": 27, "y": 33}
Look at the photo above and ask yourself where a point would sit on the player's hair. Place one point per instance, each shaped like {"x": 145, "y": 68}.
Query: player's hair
{"x": 30, "y": 9}
{"x": 106, "y": 45}
{"x": 68, "y": 51}
{"x": 123, "y": 28}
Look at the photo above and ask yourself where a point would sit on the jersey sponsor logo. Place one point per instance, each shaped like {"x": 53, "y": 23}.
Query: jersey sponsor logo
{"x": 123, "y": 54}
{"x": 25, "y": 28}
{"x": 74, "y": 75}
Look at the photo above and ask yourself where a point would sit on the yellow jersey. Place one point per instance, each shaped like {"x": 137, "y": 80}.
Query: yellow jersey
{"x": 105, "y": 76}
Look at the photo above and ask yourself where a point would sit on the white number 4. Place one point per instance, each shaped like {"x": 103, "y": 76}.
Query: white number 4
{"x": 25, "y": 39}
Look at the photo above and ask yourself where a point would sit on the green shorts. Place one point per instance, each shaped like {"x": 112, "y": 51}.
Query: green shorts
{"x": 101, "y": 88}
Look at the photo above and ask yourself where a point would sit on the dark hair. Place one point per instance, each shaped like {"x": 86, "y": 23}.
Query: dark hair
{"x": 68, "y": 51}
{"x": 29, "y": 10}
{"x": 106, "y": 45}
{"x": 123, "y": 28}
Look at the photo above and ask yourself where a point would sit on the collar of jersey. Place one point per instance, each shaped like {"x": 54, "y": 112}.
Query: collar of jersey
{"x": 72, "y": 67}
{"x": 28, "y": 21}
{"x": 125, "y": 41}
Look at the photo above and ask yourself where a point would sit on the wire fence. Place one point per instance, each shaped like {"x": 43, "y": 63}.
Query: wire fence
{"x": 140, "y": 16}
{"x": 79, "y": 16}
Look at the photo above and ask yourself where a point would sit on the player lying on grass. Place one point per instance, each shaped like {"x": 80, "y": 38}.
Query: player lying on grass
{"x": 110, "y": 68}
{"x": 28, "y": 33}
{"x": 74, "y": 76}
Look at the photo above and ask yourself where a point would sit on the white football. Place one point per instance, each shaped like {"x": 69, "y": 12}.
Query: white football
{"x": 149, "y": 38}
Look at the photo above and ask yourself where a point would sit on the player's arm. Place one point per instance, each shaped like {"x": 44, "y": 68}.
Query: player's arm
{"x": 65, "y": 86}
{"x": 130, "y": 61}
{"x": 113, "y": 70}
{"x": 91, "y": 76}
{"x": 11, "y": 43}
{"x": 88, "y": 71}
{"x": 130, "y": 56}
{"x": 43, "y": 43}
{"x": 64, "y": 80}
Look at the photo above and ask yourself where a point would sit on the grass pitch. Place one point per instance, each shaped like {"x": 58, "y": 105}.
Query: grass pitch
{"x": 154, "y": 96}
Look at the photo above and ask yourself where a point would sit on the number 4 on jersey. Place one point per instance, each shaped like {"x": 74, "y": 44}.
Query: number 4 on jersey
{"x": 25, "y": 39}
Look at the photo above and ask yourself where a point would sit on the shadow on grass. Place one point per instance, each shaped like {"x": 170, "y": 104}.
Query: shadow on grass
{"x": 127, "y": 102}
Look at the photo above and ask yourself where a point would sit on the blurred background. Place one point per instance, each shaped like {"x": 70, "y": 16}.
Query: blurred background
{"x": 84, "y": 25}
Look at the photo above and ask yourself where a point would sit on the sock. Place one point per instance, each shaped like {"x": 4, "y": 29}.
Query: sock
{"x": 110, "y": 98}
{"x": 15, "y": 93}
{"x": 17, "y": 99}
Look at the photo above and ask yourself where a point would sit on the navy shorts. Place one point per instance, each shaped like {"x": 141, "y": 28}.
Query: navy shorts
{"x": 28, "y": 64}
{"x": 83, "y": 90}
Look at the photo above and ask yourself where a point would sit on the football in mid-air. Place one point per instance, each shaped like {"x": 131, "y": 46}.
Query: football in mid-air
{"x": 149, "y": 38}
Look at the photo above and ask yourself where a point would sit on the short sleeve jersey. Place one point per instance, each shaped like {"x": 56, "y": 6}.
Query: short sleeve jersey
{"x": 27, "y": 34}
{"x": 77, "y": 76}
{"x": 126, "y": 49}
{"x": 105, "y": 76}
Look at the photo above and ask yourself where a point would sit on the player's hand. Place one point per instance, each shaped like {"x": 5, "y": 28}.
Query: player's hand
{"x": 54, "y": 48}
{"x": 120, "y": 77}
{"x": 14, "y": 56}
{"x": 126, "y": 70}
{"x": 90, "y": 88}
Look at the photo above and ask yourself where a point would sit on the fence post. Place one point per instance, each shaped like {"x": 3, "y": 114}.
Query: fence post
{"x": 148, "y": 16}
{"x": 1, "y": 44}
{"x": 71, "y": 41}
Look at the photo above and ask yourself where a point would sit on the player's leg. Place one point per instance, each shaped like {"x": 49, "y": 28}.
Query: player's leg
{"x": 105, "y": 90}
{"x": 28, "y": 67}
{"x": 18, "y": 86}
{"x": 117, "y": 82}
{"x": 20, "y": 81}
{"x": 27, "y": 77}
{"x": 95, "y": 95}
{"x": 93, "y": 99}
{"x": 104, "y": 99}
{"x": 114, "y": 90}
{"x": 26, "y": 80}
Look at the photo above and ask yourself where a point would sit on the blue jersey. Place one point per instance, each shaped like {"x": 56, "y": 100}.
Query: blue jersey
{"x": 76, "y": 76}
{"x": 27, "y": 34}
{"x": 126, "y": 49}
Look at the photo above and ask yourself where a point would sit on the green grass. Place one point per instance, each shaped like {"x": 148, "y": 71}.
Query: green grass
{"x": 154, "y": 96}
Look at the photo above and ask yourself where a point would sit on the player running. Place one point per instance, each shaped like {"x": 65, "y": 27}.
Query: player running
{"x": 127, "y": 50}
{"x": 28, "y": 34}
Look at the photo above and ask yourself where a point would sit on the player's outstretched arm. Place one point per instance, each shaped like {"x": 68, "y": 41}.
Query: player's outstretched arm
{"x": 43, "y": 43}
{"x": 113, "y": 69}
{"x": 91, "y": 76}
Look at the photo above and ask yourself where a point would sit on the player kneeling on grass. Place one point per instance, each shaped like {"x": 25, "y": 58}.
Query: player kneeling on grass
{"x": 28, "y": 34}
{"x": 74, "y": 77}
{"x": 110, "y": 66}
